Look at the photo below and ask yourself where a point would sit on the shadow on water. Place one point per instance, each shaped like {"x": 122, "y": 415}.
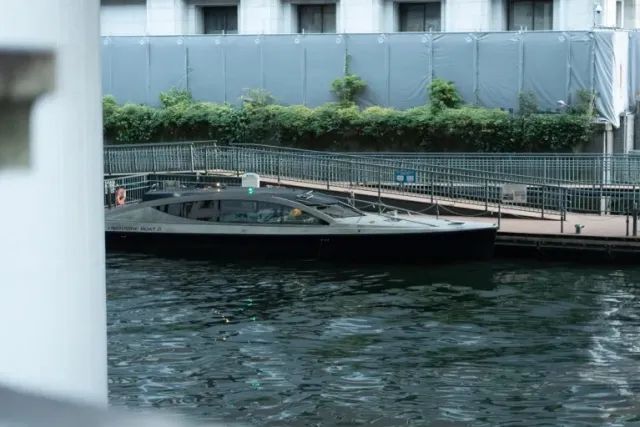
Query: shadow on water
{"x": 311, "y": 343}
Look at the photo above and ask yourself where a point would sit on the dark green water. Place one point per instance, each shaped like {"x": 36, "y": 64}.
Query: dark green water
{"x": 499, "y": 343}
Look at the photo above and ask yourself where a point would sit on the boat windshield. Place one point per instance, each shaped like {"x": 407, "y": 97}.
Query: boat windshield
{"x": 338, "y": 210}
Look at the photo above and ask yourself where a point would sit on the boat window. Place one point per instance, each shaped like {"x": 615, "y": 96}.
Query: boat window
{"x": 242, "y": 211}
{"x": 338, "y": 210}
{"x": 176, "y": 209}
{"x": 270, "y": 213}
{"x": 205, "y": 210}
{"x": 297, "y": 216}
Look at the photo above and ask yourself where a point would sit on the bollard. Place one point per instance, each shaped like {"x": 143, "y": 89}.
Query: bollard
{"x": 635, "y": 220}
{"x": 627, "y": 224}
{"x": 579, "y": 228}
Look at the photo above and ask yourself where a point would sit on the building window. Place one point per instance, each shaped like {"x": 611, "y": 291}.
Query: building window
{"x": 420, "y": 17}
{"x": 530, "y": 15}
{"x": 220, "y": 20}
{"x": 619, "y": 14}
{"x": 317, "y": 18}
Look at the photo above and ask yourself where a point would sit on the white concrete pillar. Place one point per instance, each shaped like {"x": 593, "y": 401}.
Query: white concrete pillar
{"x": 166, "y": 17}
{"x": 361, "y": 16}
{"x": 577, "y": 15}
{"x": 52, "y": 284}
{"x": 259, "y": 16}
{"x": 467, "y": 15}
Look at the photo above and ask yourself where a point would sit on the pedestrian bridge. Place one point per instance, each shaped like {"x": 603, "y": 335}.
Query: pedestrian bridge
{"x": 524, "y": 185}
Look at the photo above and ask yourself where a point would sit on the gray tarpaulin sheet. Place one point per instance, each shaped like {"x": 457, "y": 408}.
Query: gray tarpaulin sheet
{"x": 283, "y": 69}
{"x": 499, "y": 69}
{"x": 324, "y": 61}
{"x": 205, "y": 75}
{"x": 409, "y": 52}
{"x": 167, "y": 64}
{"x": 489, "y": 69}
{"x": 461, "y": 68}
{"x": 539, "y": 47}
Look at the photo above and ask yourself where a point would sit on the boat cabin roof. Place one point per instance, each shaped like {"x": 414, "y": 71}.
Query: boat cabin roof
{"x": 306, "y": 197}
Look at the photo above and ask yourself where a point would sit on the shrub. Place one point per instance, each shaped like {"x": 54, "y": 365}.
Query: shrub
{"x": 585, "y": 103}
{"x": 527, "y": 103}
{"x": 257, "y": 98}
{"x": 348, "y": 88}
{"x": 174, "y": 97}
{"x": 338, "y": 126}
{"x": 443, "y": 94}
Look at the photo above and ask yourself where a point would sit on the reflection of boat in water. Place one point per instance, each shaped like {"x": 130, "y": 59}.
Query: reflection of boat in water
{"x": 265, "y": 222}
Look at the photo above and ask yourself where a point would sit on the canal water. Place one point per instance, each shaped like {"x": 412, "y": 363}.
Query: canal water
{"x": 500, "y": 343}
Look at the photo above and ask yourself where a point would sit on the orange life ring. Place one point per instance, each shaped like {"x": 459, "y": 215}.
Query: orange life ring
{"x": 121, "y": 196}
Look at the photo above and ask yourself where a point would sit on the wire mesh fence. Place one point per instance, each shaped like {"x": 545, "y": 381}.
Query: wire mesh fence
{"x": 527, "y": 182}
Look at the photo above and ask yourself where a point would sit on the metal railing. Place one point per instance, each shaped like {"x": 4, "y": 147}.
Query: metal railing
{"x": 495, "y": 181}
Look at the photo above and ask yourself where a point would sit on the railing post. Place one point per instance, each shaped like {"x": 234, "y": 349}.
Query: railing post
{"x": 486, "y": 195}
{"x": 350, "y": 173}
{"x": 153, "y": 159}
{"x": 543, "y": 199}
{"x": 279, "y": 165}
{"x": 635, "y": 219}
{"x": 499, "y": 213}
{"x": 135, "y": 161}
{"x": 108, "y": 167}
{"x": 327, "y": 168}
{"x": 193, "y": 169}
{"x": 561, "y": 203}
{"x": 379, "y": 184}
{"x": 432, "y": 185}
{"x": 206, "y": 158}
{"x": 237, "y": 152}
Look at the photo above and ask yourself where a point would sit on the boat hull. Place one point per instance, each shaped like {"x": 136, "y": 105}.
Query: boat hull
{"x": 474, "y": 244}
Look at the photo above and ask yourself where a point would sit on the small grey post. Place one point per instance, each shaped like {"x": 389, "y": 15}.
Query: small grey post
{"x": 627, "y": 223}
{"x": 543, "y": 194}
{"x": 486, "y": 195}
{"x": 193, "y": 166}
{"x": 153, "y": 159}
{"x": 635, "y": 219}
{"x": 237, "y": 161}
{"x": 279, "y": 165}
{"x": 431, "y": 181}
{"x": 379, "y": 184}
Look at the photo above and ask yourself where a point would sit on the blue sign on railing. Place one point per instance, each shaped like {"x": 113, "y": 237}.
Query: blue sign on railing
{"x": 405, "y": 176}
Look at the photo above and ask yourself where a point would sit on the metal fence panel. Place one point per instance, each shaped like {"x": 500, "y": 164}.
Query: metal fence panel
{"x": 548, "y": 183}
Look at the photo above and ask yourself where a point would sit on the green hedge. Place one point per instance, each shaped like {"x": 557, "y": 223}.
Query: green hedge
{"x": 346, "y": 127}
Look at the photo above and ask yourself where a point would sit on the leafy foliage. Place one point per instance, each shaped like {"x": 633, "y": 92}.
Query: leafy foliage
{"x": 585, "y": 103}
{"x": 174, "y": 97}
{"x": 338, "y": 126}
{"x": 443, "y": 94}
{"x": 348, "y": 88}
{"x": 527, "y": 103}
{"x": 257, "y": 98}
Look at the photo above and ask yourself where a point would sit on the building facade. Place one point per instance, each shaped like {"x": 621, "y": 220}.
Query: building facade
{"x": 184, "y": 17}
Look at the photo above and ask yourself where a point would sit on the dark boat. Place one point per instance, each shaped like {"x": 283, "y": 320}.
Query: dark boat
{"x": 268, "y": 222}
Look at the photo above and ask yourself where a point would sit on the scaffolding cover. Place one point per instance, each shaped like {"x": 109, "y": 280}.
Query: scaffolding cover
{"x": 489, "y": 69}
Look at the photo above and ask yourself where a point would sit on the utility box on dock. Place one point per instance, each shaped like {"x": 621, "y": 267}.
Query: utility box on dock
{"x": 251, "y": 180}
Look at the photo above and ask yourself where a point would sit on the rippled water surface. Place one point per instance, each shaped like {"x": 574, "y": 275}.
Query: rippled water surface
{"x": 315, "y": 344}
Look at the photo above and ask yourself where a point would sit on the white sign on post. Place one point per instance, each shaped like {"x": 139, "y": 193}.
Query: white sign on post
{"x": 514, "y": 193}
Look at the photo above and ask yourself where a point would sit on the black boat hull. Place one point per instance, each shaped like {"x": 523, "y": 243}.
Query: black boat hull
{"x": 402, "y": 247}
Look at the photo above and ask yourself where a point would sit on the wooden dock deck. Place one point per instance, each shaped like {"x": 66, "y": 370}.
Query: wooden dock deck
{"x": 602, "y": 239}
